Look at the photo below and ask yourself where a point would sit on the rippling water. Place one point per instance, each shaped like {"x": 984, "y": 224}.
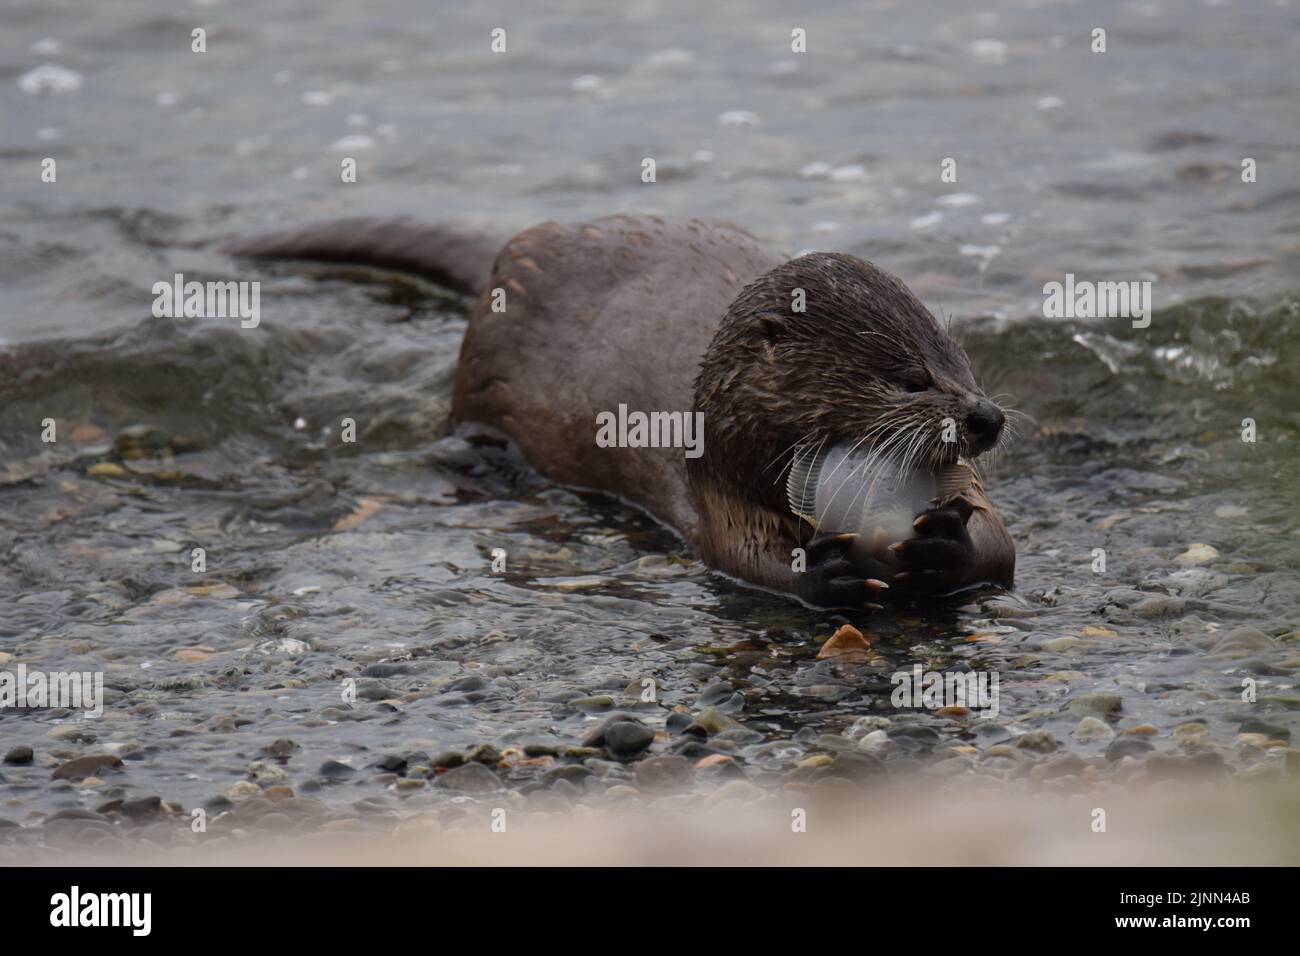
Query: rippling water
{"x": 372, "y": 561}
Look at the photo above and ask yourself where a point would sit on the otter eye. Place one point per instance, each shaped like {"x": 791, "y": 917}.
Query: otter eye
{"x": 916, "y": 385}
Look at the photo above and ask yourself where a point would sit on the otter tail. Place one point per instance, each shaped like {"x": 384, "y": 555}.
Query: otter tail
{"x": 450, "y": 256}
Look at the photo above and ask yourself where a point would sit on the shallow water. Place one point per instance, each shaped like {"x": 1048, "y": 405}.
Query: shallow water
{"x": 373, "y": 561}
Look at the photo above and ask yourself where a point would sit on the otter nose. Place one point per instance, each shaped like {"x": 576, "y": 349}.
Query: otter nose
{"x": 984, "y": 424}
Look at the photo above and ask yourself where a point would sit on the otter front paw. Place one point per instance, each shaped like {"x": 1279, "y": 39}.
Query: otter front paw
{"x": 831, "y": 578}
{"x": 940, "y": 558}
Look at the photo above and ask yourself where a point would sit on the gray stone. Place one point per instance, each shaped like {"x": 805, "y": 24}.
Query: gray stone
{"x": 470, "y": 778}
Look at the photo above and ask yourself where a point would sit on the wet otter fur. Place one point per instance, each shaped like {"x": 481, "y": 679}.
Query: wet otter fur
{"x": 698, "y": 316}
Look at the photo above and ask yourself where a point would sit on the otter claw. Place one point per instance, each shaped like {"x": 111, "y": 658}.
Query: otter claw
{"x": 828, "y": 542}
{"x": 832, "y": 579}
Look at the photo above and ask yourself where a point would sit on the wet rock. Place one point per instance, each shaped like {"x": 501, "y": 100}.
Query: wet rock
{"x": 713, "y": 760}
{"x": 1253, "y": 725}
{"x": 735, "y": 738}
{"x": 390, "y": 763}
{"x": 76, "y": 826}
{"x": 337, "y": 714}
{"x": 846, "y": 645}
{"x": 622, "y": 792}
{"x": 1167, "y": 767}
{"x": 540, "y": 750}
{"x": 722, "y": 696}
{"x": 1196, "y": 582}
{"x": 1124, "y": 597}
{"x": 73, "y": 733}
{"x": 281, "y": 749}
{"x": 447, "y": 759}
{"x": 692, "y": 748}
{"x": 334, "y": 770}
{"x": 484, "y": 754}
{"x": 181, "y": 682}
{"x": 739, "y": 790}
{"x": 19, "y": 755}
{"x": 1003, "y": 751}
{"x": 567, "y": 790}
{"x": 1063, "y": 645}
{"x": 1093, "y": 630}
{"x": 1065, "y": 765}
{"x": 1090, "y": 730}
{"x": 954, "y": 766}
{"x": 913, "y": 738}
{"x": 141, "y": 808}
{"x": 579, "y": 753}
{"x": 1096, "y": 705}
{"x": 1141, "y": 730}
{"x": 470, "y": 682}
{"x": 1196, "y": 554}
{"x": 570, "y": 772}
{"x": 1194, "y": 729}
{"x": 266, "y": 774}
{"x": 88, "y": 766}
{"x": 625, "y": 738}
{"x": 876, "y": 742}
{"x": 1160, "y": 605}
{"x": 470, "y": 778}
{"x": 669, "y": 772}
{"x": 370, "y": 689}
{"x": 390, "y": 669}
{"x": 677, "y": 722}
{"x": 1243, "y": 640}
{"x": 710, "y": 722}
{"x": 1127, "y": 747}
{"x": 1039, "y": 741}
{"x": 75, "y": 813}
{"x": 284, "y": 647}
{"x": 243, "y": 790}
{"x": 596, "y": 736}
{"x": 857, "y": 766}
{"x": 1007, "y": 606}
{"x": 866, "y": 725}
{"x": 593, "y": 705}
{"x": 299, "y": 806}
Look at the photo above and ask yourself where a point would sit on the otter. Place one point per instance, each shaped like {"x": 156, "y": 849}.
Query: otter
{"x": 575, "y": 320}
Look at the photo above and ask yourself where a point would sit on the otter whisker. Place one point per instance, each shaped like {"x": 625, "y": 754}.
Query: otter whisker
{"x": 791, "y": 451}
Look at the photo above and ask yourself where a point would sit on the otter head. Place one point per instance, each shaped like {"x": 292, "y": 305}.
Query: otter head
{"x": 863, "y": 362}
